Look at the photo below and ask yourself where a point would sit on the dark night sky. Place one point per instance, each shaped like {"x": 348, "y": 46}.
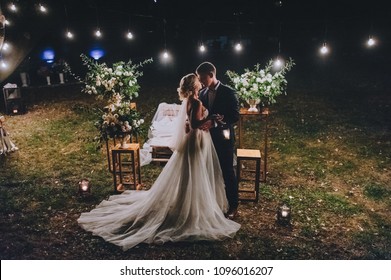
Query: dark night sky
{"x": 298, "y": 27}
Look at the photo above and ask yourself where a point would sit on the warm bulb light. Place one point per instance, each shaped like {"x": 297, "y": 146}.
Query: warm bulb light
{"x": 238, "y": 47}
{"x": 69, "y": 34}
{"x": 13, "y": 7}
{"x": 165, "y": 57}
{"x": 129, "y": 35}
{"x": 6, "y": 47}
{"x": 7, "y": 22}
{"x": 371, "y": 42}
{"x": 3, "y": 64}
{"x": 278, "y": 63}
{"x": 324, "y": 49}
{"x": 202, "y": 48}
{"x": 42, "y": 8}
{"x": 98, "y": 33}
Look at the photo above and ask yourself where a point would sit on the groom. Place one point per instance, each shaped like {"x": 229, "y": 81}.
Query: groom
{"x": 221, "y": 100}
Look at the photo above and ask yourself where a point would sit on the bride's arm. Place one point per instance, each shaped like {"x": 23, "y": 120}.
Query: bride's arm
{"x": 196, "y": 114}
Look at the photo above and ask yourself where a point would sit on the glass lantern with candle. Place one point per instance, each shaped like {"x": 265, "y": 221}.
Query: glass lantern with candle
{"x": 284, "y": 215}
{"x": 84, "y": 187}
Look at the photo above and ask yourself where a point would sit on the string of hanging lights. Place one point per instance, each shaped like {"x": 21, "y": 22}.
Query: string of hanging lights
{"x": 42, "y": 8}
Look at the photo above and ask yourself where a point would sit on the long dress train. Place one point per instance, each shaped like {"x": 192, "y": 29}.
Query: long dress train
{"x": 186, "y": 202}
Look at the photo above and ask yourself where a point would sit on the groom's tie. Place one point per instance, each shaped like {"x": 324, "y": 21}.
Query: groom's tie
{"x": 211, "y": 97}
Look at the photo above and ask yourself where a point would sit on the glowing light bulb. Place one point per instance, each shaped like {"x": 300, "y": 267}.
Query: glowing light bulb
{"x": 371, "y": 42}
{"x": 3, "y": 64}
{"x": 13, "y": 7}
{"x": 238, "y": 47}
{"x": 7, "y": 22}
{"x": 278, "y": 63}
{"x": 98, "y": 33}
{"x": 129, "y": 35}
{"x": 165, "y": 57}
{"x": 69, "y": 34}
{"x": 42, "y": 8}
{"x": 202, "y": 48}
{"x": 324, "y": 49}
{"x": 6, "y": 47}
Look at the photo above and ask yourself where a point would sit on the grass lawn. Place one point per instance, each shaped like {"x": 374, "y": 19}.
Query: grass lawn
{"x": 329, "y": 159}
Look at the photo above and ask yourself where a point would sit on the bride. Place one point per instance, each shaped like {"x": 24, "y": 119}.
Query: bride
{"x": 187, "y": 202}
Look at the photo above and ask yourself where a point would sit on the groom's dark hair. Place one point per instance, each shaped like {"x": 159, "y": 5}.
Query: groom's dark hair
{"x": 206, "y": 68}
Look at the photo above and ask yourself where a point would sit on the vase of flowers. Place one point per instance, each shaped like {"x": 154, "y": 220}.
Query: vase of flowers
{"x": 253, "y": 104}
{"x": 261, "y": 85}
{"x": 118, "y": 85}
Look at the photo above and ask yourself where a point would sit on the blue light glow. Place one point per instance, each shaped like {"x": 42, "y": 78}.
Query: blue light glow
{"x": 48, "y": 55}
{"x": 97, "y": 53}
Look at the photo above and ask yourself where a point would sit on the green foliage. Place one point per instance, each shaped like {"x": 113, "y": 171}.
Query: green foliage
{"x": 117, "y": 86}
{"x": 261, "y": 84}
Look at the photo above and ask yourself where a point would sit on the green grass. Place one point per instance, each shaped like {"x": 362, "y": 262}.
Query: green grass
{"x": 330, "y": 165}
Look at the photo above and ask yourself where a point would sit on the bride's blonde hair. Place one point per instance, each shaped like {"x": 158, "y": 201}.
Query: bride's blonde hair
{"x": 187, "y": 86}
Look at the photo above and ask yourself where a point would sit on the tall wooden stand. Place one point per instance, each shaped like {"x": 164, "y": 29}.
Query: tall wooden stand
{"x": 250, "y": 191}
{"x": 126, "y": 167}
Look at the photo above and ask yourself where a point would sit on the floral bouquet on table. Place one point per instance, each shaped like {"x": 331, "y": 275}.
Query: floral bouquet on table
{"x": 261, "y": 85}
{"x": 118, "y": 85}
{"x": 120, "y": 119}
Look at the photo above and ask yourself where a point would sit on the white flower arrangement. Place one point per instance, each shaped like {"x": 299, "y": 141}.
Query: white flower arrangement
{"x": 118, "y": 85}
{"x": 261, "y": 84}
{"x": 105, "y": 81}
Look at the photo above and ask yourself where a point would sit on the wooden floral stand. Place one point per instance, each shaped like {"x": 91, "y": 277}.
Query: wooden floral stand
{"x": 246, "y": 158}
{"x": 126, "y": 167}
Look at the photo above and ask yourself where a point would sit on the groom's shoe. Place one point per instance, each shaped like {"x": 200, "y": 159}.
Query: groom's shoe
{"x": 232, "y": 213}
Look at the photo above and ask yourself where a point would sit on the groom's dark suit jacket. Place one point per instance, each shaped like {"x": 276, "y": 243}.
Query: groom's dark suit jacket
{"x": 226, "y": 103}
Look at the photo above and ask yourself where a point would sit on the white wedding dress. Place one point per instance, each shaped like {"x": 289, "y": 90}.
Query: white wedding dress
{"x": 186, "y": 202}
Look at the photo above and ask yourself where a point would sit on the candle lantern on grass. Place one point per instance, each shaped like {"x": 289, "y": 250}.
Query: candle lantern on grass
{"x": 284, "y": 215}
{"x": 84, "y": 187}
